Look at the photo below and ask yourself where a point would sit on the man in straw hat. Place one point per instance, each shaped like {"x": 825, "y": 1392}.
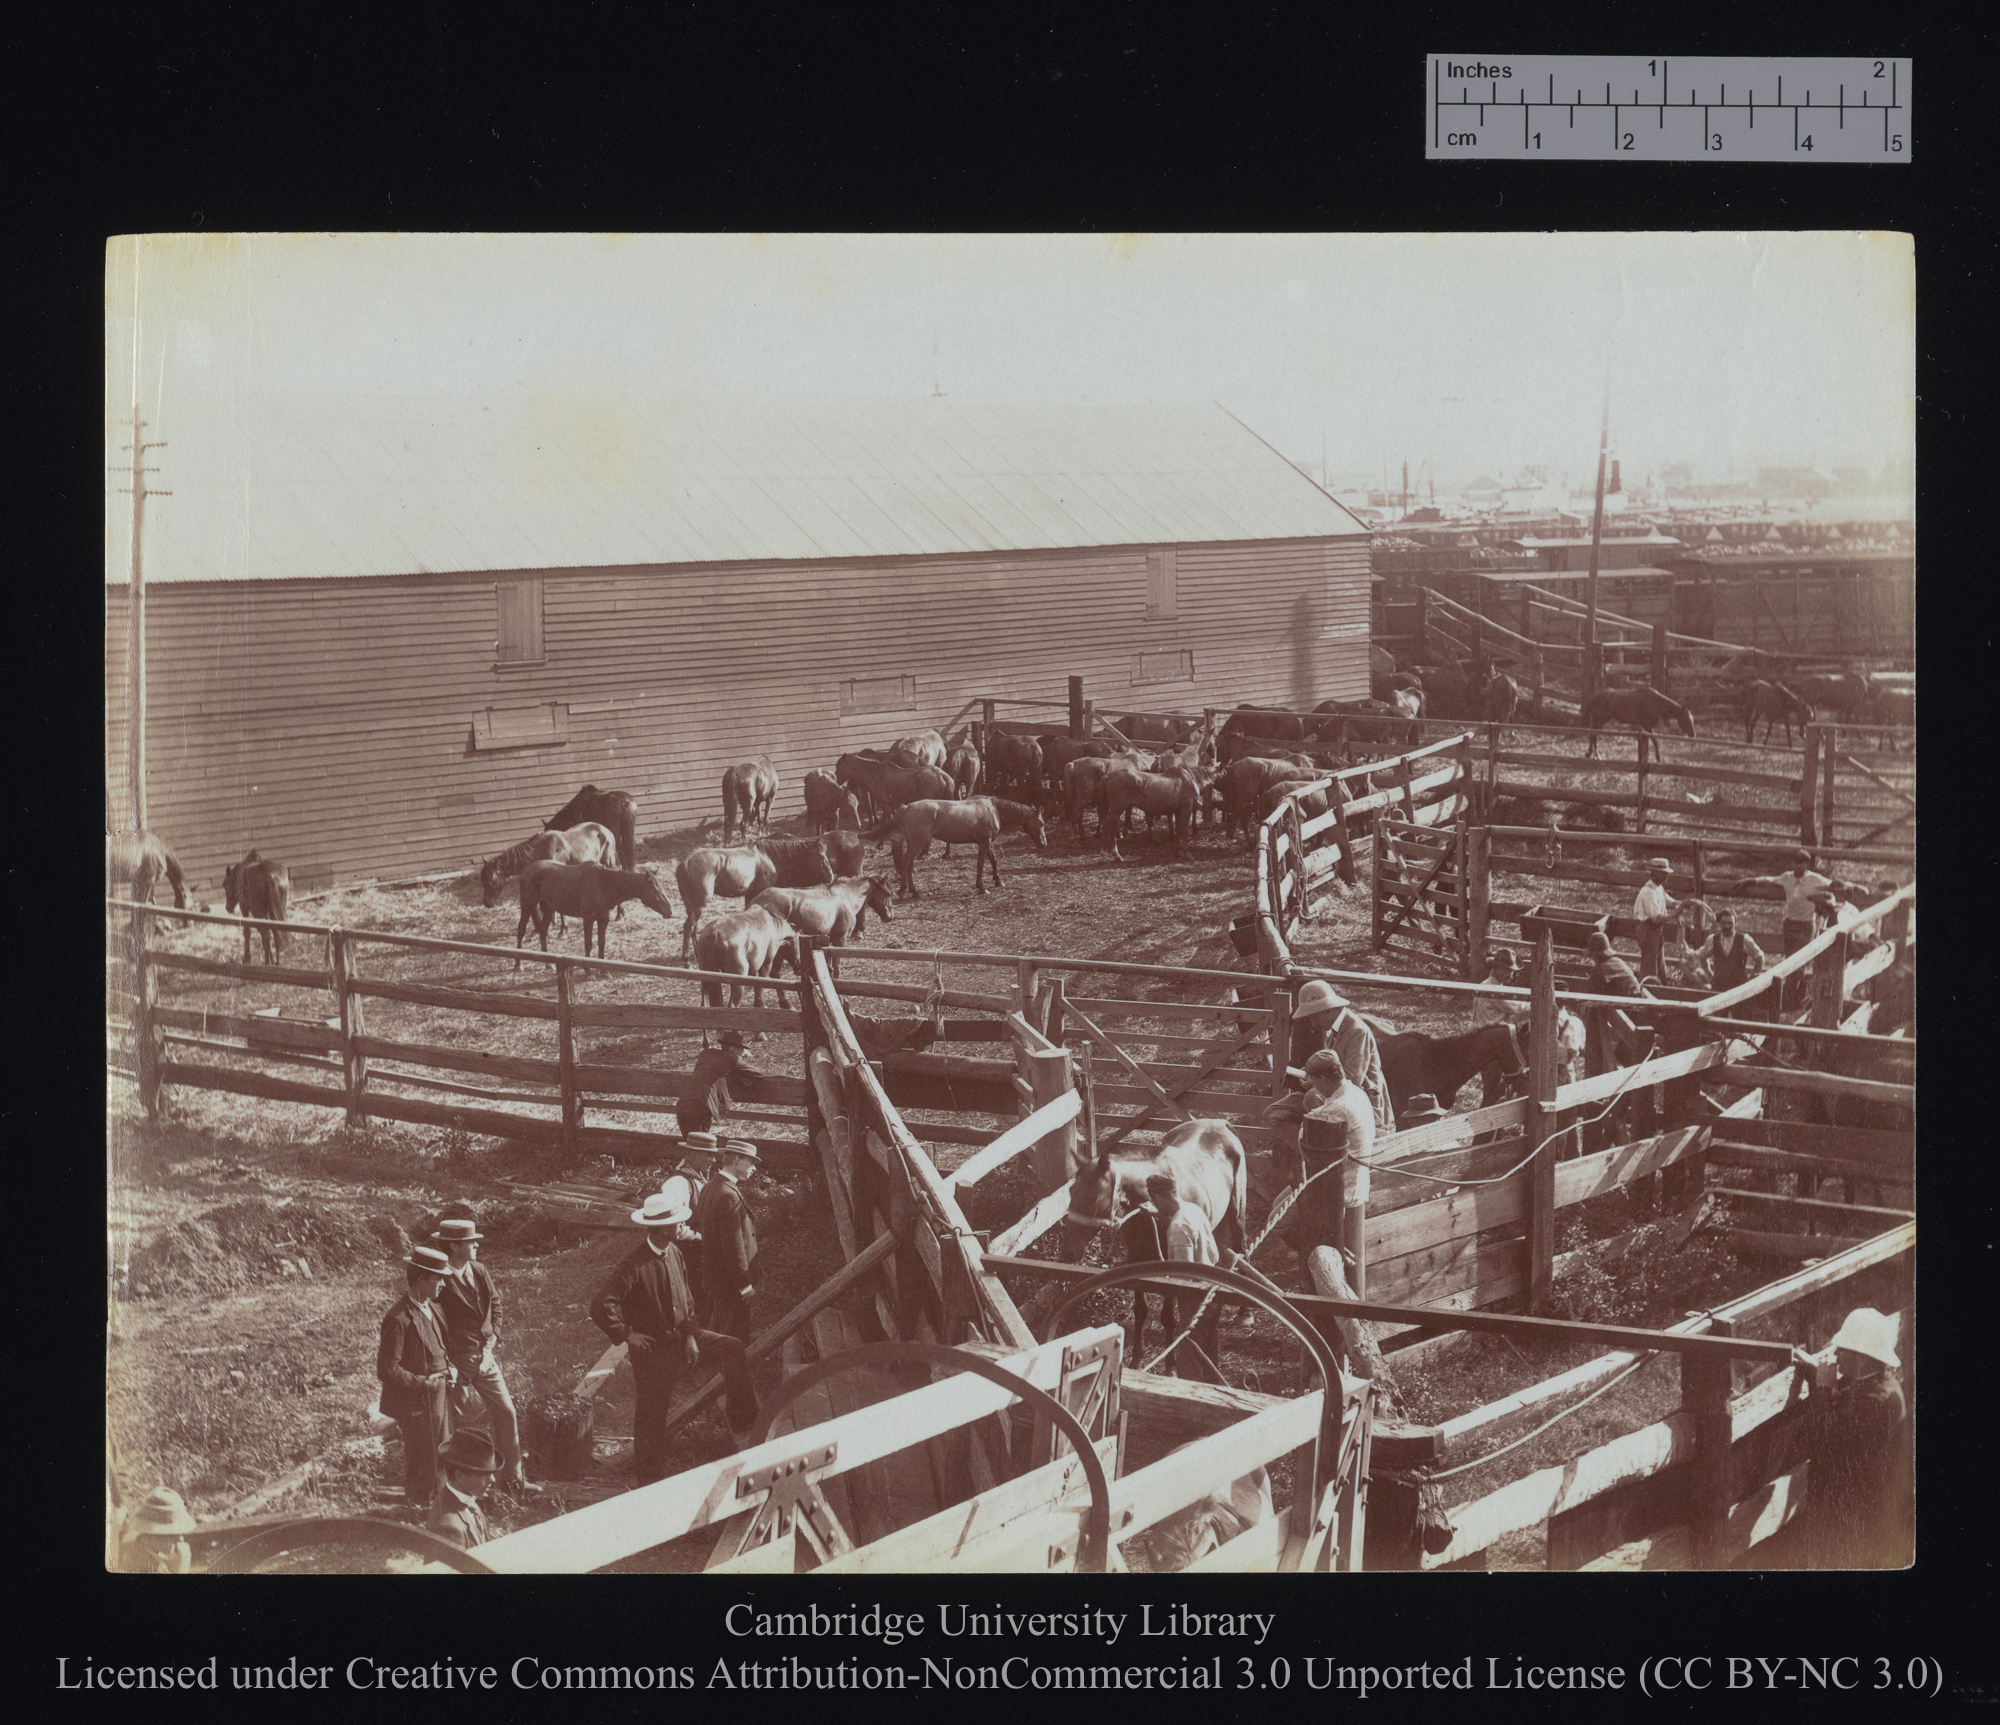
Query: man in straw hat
{"x": 155, "y": 1537}
{"x": 1857, "y": 1509}
{"x": 469, "y": 1465}
{"x": 1654, "y": 912}
{"x": 414, "y": 1365}
{"x": 470, "y": 1303}
{"x": 648, "y": 1305}
{"x": 1805, "y": 890}
{"x": 1323, "y": 1019}
{"x": 708, "y": 1099}
{"x": 728, "y": 1242}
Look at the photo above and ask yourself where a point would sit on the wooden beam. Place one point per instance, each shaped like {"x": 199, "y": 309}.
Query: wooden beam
{"x": 1818, "y": 1083}
{"x": 1024, "y": 1134}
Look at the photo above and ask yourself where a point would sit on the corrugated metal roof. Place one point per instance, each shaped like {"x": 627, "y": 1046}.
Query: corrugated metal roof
{"x": 288, "y": 487}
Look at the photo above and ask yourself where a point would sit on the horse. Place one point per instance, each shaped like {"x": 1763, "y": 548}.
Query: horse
{"x": 861, "y": 772}
{"x": 590, "y": 842}
{"x": 974, "y": 821}
{"x": 585, "y": 890}
{"x": 748, "y": 790}
{"x": 1413, "y": 1063}
{"x": 827, "y": 800}
{"x": 1139, "y": 728}
{"x": 1243, "y": 782}
{"x": 919, "y": 749}
{"x": 1013, "y": 761}
{"x": 1264, "y": 722}
{"x": 1176, "y": 795}
{"x": 1641, "y": 708}
{"x": 1059, "y": 750}
{"x": 747, "y": 943}
{"x": 828, "y": 913}
{"x": 1082, "y": 777}
{"x": 963, "y": 766}
{"x": 1772, "y": 702}
{"x": 743, "y": 871}
{"x": 141, "y": 860}
{"x": 262, "y": 890}
{"x": 1373, "y": 721}
{"x": 614, "y": 809}
{"x": 1208, "y": 1164}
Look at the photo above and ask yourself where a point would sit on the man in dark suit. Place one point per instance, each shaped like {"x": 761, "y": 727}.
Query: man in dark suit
{"x": 648, "y": 1305}
{"x": 415, "y": 1370}
{"x": 470, "y": 1303}
{"x": 728, "y": 1243}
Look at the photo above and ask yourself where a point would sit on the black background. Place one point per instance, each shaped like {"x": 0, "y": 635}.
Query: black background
{"x": 1117, "y": 117}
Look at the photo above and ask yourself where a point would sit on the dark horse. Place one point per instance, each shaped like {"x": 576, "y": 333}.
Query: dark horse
{"x": 748, "y": 790}
{"x": 1772, "y": 702}
{"x": 614, "y": 809}
{"x": 1414, "y": 1063}
{"x": 1641, "y": 708}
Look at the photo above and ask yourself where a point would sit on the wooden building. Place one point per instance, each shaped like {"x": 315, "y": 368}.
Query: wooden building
{"x": 387, "y": 635}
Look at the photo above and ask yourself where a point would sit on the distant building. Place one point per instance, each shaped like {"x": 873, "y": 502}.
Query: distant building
{"x": 1484, "y": 493}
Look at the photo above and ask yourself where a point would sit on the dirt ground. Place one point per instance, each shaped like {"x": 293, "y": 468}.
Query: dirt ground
{"x": 255, "y": 1245}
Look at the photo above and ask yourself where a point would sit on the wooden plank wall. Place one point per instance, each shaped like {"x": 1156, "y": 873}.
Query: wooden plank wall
{"x": 330, "y": 722}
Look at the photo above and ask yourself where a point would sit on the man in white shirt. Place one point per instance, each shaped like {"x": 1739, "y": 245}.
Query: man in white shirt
{"x": 1654, "y": 912}
{"x": 1323, "y": 1019}
{"x": 1187, "y": 1238}
{"x": 1727, "y": 958}
{"x": 1802, "y": 888}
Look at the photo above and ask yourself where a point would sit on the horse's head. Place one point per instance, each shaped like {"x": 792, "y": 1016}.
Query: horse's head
{"x": 1037, "y": 828}
{"x": 1093, "y": 1206}
{"x": 489, "y": 883}
{"x": 875, "y": 899}
{"x": 232, "y": 885}
{"x": 651, "y": 893}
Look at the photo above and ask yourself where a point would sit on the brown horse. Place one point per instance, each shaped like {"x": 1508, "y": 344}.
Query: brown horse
{"x": 590, "y": 842}
{"x": 1772, "y": 702}
{"x": 583, "y": 890}
{"x": 1015, "y": 762}
{"x": 748, "y": 789}
{"x": 964, "y": 767}
{"x": 829, "y": 803}
{"x": 829, "y": 913}
{"x": 1207, "y": 1162}
{"x": 975, "y": 821}
{"x": 743, "y": 871}
{"x": 262, "y": 890}
{"x": 1642, "y": 708}
{"x": 141, "y": 860}
{"x": 1082, "y": 777}
{"x": 748, "y": 943}
{"x": 1177, "y": 795}
{"x": 919, "y": 749}
{"x": 614, "y": 809}
{"x": 1413, "y": 1063}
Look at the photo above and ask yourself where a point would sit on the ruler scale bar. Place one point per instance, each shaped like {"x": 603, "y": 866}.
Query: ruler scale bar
{"x": 1709, "y": 125}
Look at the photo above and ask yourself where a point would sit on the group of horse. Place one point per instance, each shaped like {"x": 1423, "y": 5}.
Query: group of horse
{"x": 258, "y": 888}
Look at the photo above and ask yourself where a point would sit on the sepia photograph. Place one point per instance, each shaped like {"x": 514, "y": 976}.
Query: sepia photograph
{"x": 1422, "y": 1075}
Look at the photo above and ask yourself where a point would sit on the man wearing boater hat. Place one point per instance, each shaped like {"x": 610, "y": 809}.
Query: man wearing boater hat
{"x": 470, "y": 1303}
{"x": 1857, "y": 1510}
{"x": 648, "y": 1305}
{"x": 415, "y": 1368}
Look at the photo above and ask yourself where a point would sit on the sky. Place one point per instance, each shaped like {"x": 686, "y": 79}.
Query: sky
{"x": 1478, "y": 353}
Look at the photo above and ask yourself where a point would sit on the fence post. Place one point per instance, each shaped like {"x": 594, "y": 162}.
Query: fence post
{"x": 1281, "y": 1037}
{"x": 1829, "y": 983}
{"x": 1376, "y": 864}
{"x": 1076, "y": 706}
{"x": 1705, "y": 1385}
{"x": 1640, "y": 822}
{"x": 145, "y": 1047}
{"x": 986, "y": 724}
{"x": 1055, "y": 1156}
{"x": 1808, "y": 774}
{"x": 1478, "y": 887}
{"x": 1700, "y": 889}
{"x": 1025, "y": 983}
{"x": 1540, "y": 1123}
{"x": 572, "y": 1104}
{"x": 1536, "y": 673}
{"x": 353, "y": 1063}
{"x": 1659, "y": 655}
{"x": 1829, "y": 752}
{"x": 1492, "y": 760}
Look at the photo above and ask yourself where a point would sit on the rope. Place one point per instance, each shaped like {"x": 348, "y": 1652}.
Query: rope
{"x": 1610, "y": 1383}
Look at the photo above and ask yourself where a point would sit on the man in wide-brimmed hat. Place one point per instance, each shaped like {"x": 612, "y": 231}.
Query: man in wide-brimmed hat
{"x": 1857, "y": 1509}
{"x": 707, "y": 1099}
{"x": 414, "y": 1365}
{"x": 1422, "y": 1110}
{"x": 155, "y": 1536}
{"x": 1654, "y": 912}
{"x": 648, "y": 1305}
{"x": 1322, "y": 1018}
{"x": 728, "y": 1242}
{"x": 468, "y": 1464}
{"x": 470, "y": 1302}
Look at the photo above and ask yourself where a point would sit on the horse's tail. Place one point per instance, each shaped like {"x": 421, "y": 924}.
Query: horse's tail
{"x": 174, "y": 877}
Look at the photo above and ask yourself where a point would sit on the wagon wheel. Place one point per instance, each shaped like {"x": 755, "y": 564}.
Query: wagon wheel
{"x": 356, "y": 1530}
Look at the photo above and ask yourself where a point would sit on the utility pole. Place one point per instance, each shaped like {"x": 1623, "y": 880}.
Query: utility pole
{"x": 135, "y": 650}
{"x": 1593, "y": 657}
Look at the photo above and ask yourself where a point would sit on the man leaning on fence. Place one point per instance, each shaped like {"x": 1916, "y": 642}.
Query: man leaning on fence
{"x": 1323, "y": 1019}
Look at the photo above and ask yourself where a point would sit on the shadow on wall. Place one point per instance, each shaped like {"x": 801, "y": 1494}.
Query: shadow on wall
{"x": 1304, "y": 632}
